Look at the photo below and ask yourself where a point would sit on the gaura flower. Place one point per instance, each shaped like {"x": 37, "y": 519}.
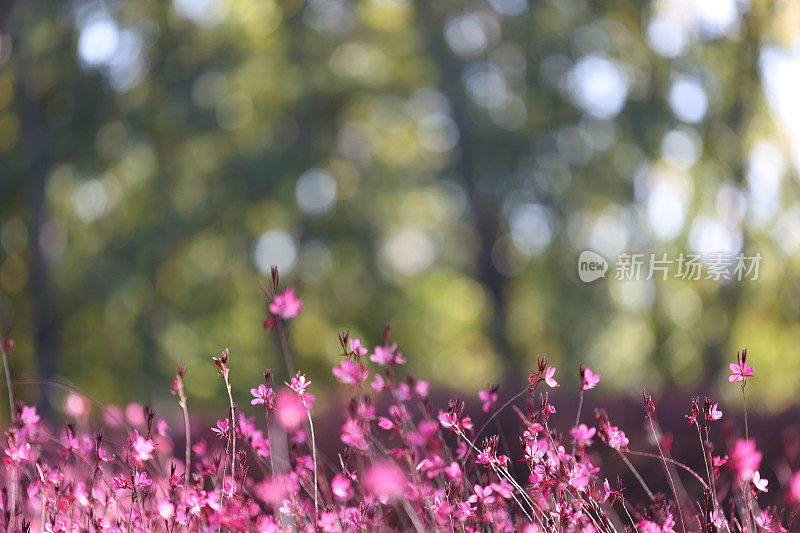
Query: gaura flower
{"x": 285, "y": 305}
{"x": 740, "y": 371}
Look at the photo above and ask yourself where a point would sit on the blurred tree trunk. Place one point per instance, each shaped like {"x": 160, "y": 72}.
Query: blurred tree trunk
{"x": 483, "y": 204}
{"x": 44, "y": 321}
{"x": 31, "y": 177}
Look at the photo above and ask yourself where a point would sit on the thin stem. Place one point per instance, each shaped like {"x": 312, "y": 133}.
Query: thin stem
{"x": 314, "y": 456}
{"x": 673, "y": 462}
{"x": 497, "y": 412}
{"x": 627, "y": 512}
{"x": 580, "y": 405}
{"x": 8, "y": 382}
{"x": 669, "y": 475}
{"x": 515, "y": 498}
{"x": 137, "y": 495}
{"x": 269, "y": 440}
{"x": 705, "y": 459}
{"x": 746, "y": 497}
{"x": 412, "y": 515}
{"x": 187, "y": 466}
{"x": 505, "y": 474}
{"x": 12, "y": 415}
{"x": 287, "y": 356}
{"x": 12, "y": 517}
{"x": 577, "y": 420}
{"x": 187, "y": 471}
{"x": 44, "y": 508}
{"x": 636, "y": 474}
{"x": 233, "y": 435}
{"x": 744, "y": 398}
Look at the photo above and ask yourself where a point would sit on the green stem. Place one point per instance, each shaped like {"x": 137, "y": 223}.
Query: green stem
{"x": 636, "y": 474}
{"x": 669, "y": 475}
{"x": 580, "y": 405}
{"x": 744, "y": 398}
{"x": 314, "y": 456}
{"x": 287, "y": 357}
{"x": 8, "y": 383}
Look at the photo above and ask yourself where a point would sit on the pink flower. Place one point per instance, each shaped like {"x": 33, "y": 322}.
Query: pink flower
{"x": 142, "y": 480}
{"x": 386, "y": 356}
{"x": 267, "y": 524}
{"x": 582, "y": 434}
{"x": 290, "y": 411}
{"x": 119, "y": 483}
{"x": 19, "y": 454}
{"x": 353, "y": 435}
{"x": 608, "y": 492}
{"x": 482, "y": 495}
{"x": 378, "y": 383}
{"x": 646, "y": 526}
{"x": 386, "y": 423}
{"x": 617, "y": 438}
{"x": 229, "y": 488}
{"x": 75, "y": 405}
{"x": 263, "y": 396}
{"x": 222, "y": 363}
{"x": 80, "y": 495}
{"x": 714, "y": 413}
{"x": 740, "y": 371}
{"x": 357, "y": 348}
{"x": 448, "y": 420}
{"x": 286, "y": 305}
{"x": 718, "y": 517}
{"x": 166, "y": 510}
{"x": 341, "y": 487}
{"x": 488, "y": 455}
{"x": 533, "y": 452}
{"x": 548, "y": 377}
{"x": 299, "y": 384}
{"x": 260, "y": 444}
{"x": 579, "y": 476}
{"x": 142, "y": 447}
{"x": 745, "y": 459}
{"x": 453, "y": 471}
{"x": 103, "y": 456}
{"x": 488, "y": 398}
{"x": 767, "y": 522}
{"x": 759, "y": 482}
{"x": 385, "y": 479}
{"x": 222, "y": 428}
{"x": 544, "y": 373}
{"x": 590, "y": 379}
{"x": 28, "y": 417}
{"x": 442, "y": 508}
{"x": 794, "y": 488}
{"x": 350, "y": 373}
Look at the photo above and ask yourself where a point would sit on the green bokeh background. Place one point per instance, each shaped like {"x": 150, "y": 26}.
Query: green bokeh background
{"x": 150, "y": 155}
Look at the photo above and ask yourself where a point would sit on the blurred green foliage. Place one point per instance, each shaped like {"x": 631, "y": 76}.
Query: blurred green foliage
{"x": 436, "y": 165}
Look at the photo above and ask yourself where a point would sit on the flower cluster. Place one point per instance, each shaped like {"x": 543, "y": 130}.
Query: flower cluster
{"x": 399, "y": 463}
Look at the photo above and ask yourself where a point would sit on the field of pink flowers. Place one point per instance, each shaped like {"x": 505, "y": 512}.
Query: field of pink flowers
{"x": 410, "y": 465}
